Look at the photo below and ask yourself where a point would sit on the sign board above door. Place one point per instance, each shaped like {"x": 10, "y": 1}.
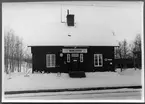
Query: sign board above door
{"x": 74, "y": 50}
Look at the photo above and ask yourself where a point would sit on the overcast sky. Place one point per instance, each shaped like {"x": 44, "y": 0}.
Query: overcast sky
{"x": 124, "y": 18}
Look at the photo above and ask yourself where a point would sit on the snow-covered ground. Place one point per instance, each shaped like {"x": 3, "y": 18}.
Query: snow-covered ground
{"x": 37, "y": 81}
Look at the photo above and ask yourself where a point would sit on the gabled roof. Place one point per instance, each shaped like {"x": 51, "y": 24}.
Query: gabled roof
{"x": 44, "y": 23}
{"x": 81, "y": 34}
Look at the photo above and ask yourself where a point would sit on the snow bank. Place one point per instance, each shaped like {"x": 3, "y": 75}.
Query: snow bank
{"x": 53, "y": 81}
{"x": 130, "y": 71}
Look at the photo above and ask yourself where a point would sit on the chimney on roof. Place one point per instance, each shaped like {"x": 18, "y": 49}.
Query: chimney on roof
{"x": 70, "y": 19}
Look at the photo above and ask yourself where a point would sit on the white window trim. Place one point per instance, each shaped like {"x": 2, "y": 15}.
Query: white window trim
{"x": 68, "y": 57}
{"x": 51, "y": 64}
{"x": 98, "y": 60}
{"x": 81, "y": 58}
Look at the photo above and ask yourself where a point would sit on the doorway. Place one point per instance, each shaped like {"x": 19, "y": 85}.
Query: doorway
{"x": 73, "y": 60}
{"x": 75, "y": 63}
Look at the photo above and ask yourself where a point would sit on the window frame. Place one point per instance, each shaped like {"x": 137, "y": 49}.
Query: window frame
{"x": 81, "y": 58}
{"x": 68, "y": 58}
{"x": 50, "y": 61}
{"x": 98, "y": 60}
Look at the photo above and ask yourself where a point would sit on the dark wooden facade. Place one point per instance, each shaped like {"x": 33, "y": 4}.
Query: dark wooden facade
{"x": 62, "y": 65}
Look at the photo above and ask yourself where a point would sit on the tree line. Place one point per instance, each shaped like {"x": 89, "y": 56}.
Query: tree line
{"x": 129, "y": 51}
{"x": 15, "y": 52}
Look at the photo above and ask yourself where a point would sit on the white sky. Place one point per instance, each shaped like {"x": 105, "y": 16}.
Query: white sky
{"x": 124, "y": 18}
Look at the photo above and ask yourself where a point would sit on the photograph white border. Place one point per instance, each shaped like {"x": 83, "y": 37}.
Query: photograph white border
{"x": 5, "y": 100}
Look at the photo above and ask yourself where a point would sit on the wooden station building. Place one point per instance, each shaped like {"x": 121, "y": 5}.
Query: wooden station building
{"x": 73, "y": 42}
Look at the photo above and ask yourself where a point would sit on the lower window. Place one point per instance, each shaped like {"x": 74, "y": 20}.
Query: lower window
{"x": 50, "y": 60}
{"x": 98, "y": 60}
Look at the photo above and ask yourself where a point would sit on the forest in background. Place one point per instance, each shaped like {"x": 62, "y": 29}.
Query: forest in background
{"x": 129, "y": 55}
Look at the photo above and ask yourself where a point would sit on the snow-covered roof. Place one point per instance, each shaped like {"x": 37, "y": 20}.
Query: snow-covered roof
{"x": 43, "y": 22}
{"x": 81, "y": 34}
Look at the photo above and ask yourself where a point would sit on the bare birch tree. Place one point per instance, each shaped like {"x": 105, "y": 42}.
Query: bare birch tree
{"x": 13, "y": 51}
{"x": 136, "y": 50}
{"x": 9, "y": 44}
{"x": 122, "y": 52}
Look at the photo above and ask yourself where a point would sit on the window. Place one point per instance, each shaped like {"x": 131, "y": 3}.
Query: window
{"x": 50, "y": 60}
{"x": 68, "y": 57}
{"x": 81, "y": 57}
{"x": 98, "y": 60}
{"x": 74, "y": 55}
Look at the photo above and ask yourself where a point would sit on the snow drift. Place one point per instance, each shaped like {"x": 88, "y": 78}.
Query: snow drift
{"x": 39, "y": 81}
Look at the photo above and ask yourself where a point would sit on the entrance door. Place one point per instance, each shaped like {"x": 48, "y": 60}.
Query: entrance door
{"x": 75, "y": 62}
